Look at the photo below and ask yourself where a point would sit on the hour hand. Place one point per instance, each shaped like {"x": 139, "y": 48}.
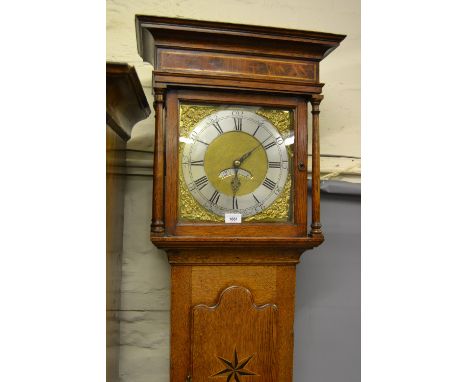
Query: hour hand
{"x": 235, "y": 184}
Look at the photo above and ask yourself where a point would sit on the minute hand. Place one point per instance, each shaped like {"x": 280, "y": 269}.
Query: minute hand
{"x": 246, "y": 155}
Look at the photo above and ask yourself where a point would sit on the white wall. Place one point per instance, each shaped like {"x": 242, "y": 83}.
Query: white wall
{"x": 144, "y": 352}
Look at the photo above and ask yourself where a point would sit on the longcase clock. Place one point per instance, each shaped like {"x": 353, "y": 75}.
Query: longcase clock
{"x": 230, "y": 188}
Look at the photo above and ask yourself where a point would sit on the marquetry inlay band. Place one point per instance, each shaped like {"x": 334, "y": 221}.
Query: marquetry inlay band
{"x": 225, "y": 64}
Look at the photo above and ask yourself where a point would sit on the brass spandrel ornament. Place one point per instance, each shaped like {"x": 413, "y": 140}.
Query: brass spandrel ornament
{"x": 279, "y": 211}
{"x": 190, "y": 115}
{"x": 190, "y": 209}
{"x": 281, "y": 119}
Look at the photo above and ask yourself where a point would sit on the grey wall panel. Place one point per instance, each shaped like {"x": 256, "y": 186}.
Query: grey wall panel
{"x": 327, "y": 325}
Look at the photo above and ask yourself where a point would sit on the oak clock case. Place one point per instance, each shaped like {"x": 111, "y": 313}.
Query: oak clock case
{"x": 239, "y": 156}
{"x": 231, "y": 139}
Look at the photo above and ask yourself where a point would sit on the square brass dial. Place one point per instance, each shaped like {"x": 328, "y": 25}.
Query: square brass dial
{"x": 235, "y": 159}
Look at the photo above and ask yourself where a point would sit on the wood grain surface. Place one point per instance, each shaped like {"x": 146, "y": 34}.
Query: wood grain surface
{"x": 199, "y": 277}
{"x": 234, "y": 339}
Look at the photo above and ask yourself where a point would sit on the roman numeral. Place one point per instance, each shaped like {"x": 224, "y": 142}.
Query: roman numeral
{"x": 215, "y": 197}
{"x": 196, "y": 163}
{"x": 255, "y": 132}
{"x": 237, "y": 124}
{"x": 274, "y": 164}
{"x": 269, "y": 145}
{"x": 258, "y": 201}
{"x": 235, "y": 205}
{"x": 217, "y": 127}
{"x": 268, "y": 183}
{"x": 201, "y": 182}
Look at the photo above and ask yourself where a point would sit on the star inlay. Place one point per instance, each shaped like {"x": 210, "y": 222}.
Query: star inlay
{"x": 235, "y": 369}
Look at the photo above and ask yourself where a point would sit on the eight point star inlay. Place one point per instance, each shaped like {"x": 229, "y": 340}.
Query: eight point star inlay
{"x": 235, "y": 369}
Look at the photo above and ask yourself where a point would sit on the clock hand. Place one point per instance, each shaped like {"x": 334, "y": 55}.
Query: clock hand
{"x": 247, "y": 154}
{"x": 235, "y": 182}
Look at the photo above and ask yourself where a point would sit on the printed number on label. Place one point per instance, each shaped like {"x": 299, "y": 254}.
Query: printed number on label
{"x": 233, "y": 218}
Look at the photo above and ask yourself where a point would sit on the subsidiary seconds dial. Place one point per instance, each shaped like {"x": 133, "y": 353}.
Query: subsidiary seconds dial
{"x": 235, "y": 161}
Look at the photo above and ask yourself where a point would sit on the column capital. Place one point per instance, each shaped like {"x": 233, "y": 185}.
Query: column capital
{"x": 315, "y": 100}
{"x": 159, "y": 96}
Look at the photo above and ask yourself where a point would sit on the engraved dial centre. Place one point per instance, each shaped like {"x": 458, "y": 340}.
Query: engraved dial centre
{"x": 221, "y": 163}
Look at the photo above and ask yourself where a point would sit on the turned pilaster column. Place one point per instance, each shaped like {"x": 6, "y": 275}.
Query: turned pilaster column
{"x": 316, "y": 226}
{"x": 157, "y": 224}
